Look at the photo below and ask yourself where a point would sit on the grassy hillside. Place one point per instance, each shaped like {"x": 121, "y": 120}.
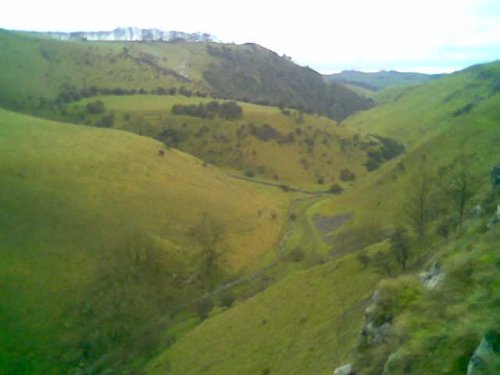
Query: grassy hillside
{"x": 102, "y": 237}
{"x": 431, "y": 121}
{"x": 115, "y": 246}
{"x": 305, "y": 324}
{"x": 40, "y": 72}
{"x": 418, "y": 113}
{"x": 310, "y": 334}
{"x": 282, "y": 146}
{"x": 380, "y": 80}
{"x": 35, "y": 68}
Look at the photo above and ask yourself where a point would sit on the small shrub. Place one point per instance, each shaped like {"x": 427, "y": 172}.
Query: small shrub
{"x": 347, "y": 175}
{"x": 249, "y": 173}
{"x": 363, "y": 258}
{"x": 227, "y": 300}
{"x": 95, "y": 108}
{"x": 106, "y": 121}
{"x": 296, "y": 255}
{"x": 285, "y": 188}
{"x": 204, "y": 306}
{"x": 336, "y": 189}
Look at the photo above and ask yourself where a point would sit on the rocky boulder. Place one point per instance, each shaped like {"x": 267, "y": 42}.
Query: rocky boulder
{"x": 344, "y": 370}
{"x": 433, "y": 277}
{"x": 485, "y": 359}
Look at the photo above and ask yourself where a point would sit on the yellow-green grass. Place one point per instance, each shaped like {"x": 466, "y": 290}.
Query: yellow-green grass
{"x": 304, "y": 324}
{"x": 293, "y": 162}
{"x": 104, "y": 170}
{"x": 42, "y": 67}
{"x": 72, "y": 196}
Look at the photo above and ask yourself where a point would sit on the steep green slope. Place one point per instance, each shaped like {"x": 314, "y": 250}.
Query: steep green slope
{"x": 380, "y": 80}
{"x": 102, "y": 237}
{"x": 418, "y": 113}
{"x": 40, "y": 72}
{"x": 305, "y": 324}
{"x": 253, "y": 73}
{"x": 438, "y": 330}
{"x": 232, "y": 342}
{"x": 431, "y": 121}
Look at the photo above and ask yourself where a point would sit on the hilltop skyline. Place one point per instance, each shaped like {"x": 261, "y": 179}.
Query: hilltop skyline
{"x": 428, "y": 37}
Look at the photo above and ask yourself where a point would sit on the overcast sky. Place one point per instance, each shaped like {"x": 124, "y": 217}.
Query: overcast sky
{"x": 329, "y": 36}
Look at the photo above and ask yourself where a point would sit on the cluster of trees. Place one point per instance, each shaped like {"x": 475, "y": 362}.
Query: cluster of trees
{"x": 96, "y": 108}
{"x": 229, "y": 110}
{"x": 266, "y": 133}
{"x": 72, "y": 94}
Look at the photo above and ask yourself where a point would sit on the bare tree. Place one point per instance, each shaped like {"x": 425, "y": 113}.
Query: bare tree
{"x": 459, "y": 184}
{"x": 400, "y": 247}
{"x": 419, "y": 202}
{"x": 209, "y": 233}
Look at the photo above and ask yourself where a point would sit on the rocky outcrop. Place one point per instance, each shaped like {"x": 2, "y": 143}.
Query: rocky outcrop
{"x": 481, "y": 362}
{"x": 344, "y": 370}
{"x": 376, "y": 334}
{"x": 433, "y": 277}
{"x": 376, "y": 327}
{"x": 132, "y": 34}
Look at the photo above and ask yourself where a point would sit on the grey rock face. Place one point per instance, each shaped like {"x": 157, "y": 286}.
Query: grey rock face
{"x": 376, "y": 334}
{"x": 482, "y": 361}
{"x": 432, "y": 278}
{"x": 344, "y": 370}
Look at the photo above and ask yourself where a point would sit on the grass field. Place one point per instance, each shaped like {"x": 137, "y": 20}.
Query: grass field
{"x": 92, "y": 198}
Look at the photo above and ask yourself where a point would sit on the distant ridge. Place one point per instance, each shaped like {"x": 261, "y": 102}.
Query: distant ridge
{"x": 131, "y": 34}
{"x": 380, "y": 80}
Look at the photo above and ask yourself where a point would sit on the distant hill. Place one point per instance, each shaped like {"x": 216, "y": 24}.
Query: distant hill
{"x": 256, "y": 74}
{"x": 37, "y": 71}
{"x": 380, "y": 80}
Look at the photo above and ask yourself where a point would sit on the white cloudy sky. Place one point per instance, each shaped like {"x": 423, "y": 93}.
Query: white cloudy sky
{"x": 329, "y": 36}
